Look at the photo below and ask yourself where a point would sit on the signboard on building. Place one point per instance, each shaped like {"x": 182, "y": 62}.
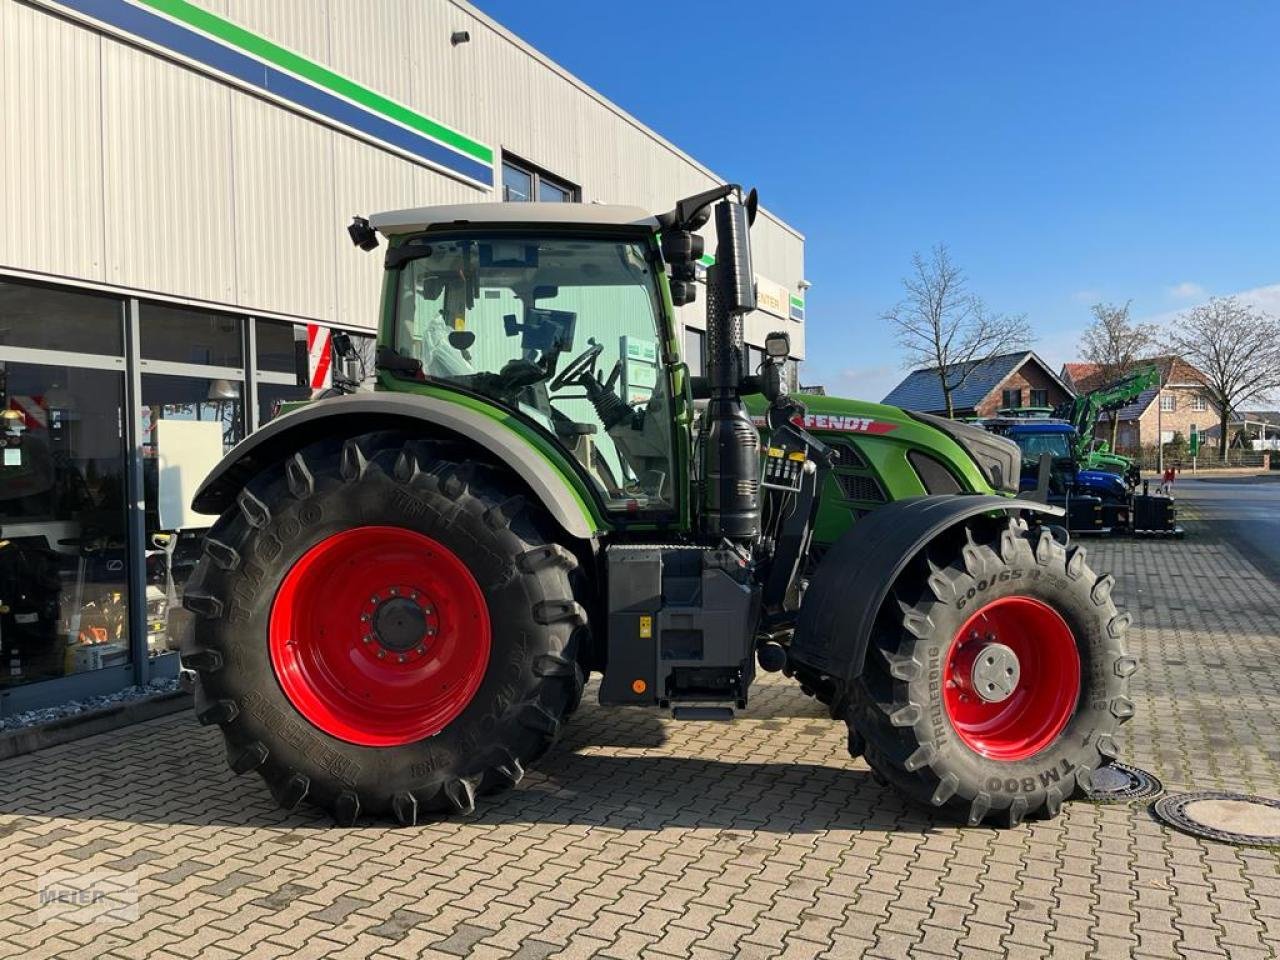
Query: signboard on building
{"x": 772, "y": 297}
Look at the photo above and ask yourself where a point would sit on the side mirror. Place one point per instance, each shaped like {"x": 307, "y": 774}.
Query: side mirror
{"x": 681, "y": 249}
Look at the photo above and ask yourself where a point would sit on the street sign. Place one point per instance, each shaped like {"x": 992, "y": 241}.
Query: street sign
{"x": 1195, "y": 441}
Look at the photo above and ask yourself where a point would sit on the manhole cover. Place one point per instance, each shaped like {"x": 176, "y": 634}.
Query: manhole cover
{"x": 1121, "y": 783}
{"x": 1228, "y": 817}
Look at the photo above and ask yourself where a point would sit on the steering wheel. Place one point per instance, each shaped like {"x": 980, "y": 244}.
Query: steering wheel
{"x": 577, "y": 366}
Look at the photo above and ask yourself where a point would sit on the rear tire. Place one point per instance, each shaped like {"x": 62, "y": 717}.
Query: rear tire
{"x": 1020, "y": 595}
{"x": 364, "y": 721}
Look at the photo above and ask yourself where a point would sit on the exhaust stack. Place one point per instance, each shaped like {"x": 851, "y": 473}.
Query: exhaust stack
{"x": 730, "y": 443}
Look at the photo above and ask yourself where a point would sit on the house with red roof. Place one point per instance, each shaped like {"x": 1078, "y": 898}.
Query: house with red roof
{"x": 1179, "y": 405}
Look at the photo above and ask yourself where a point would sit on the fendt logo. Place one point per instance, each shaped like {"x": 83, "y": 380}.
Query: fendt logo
{"x": 843, "y": 424}
{"x": 835, "y": 423}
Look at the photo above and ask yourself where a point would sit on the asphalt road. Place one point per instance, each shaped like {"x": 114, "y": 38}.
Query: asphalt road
{"x": 1242, "y": 510}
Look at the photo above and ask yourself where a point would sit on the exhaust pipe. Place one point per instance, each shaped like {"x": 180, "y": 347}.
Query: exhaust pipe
{"x": 730, "y": 442}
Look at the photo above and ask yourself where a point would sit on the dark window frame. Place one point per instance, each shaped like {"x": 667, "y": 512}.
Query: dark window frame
{"x": 1005, "y": 394}
{"x": 537, "y": 177}
{"x": 1042, "y": 393}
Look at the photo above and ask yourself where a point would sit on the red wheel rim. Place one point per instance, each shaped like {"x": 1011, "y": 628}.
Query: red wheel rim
{"x": 1044, "y": 678}
{"x": 379, "y": 636}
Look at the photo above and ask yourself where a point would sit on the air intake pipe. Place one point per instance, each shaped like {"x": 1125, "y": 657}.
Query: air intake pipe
{"x": 730, "y": 443}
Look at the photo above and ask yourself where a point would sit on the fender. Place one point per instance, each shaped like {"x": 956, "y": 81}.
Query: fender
{"x": 364, "y": 412}
{"x": 834, "y": 626}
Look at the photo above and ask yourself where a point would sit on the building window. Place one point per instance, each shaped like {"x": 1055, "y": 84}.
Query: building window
{"x": 281, "y": 373}
{"x": 179, "y": 335}
{"x": 695, "y": 347}
{"x": 63, "y": 554}
{"x": 44, "y": 318}
{"x": 1011, "y": 399}
{"x": 522, "y": 182}
{"x": 1168, "y": 402}
{"x": 755, "y": 359}
{"x": 1039, "y": 398}
{"x": 1198, "y": 403}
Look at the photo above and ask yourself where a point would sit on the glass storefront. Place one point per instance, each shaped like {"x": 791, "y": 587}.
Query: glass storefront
{"x": 63, "y": 549}
{"x": 280, "y": 368}
{"x": 188, "y": 423}
{"x": 90, "y": 592}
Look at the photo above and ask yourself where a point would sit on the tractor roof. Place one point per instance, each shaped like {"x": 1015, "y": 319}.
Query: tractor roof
{"x": 417, "y": 219}
{"x": 1032, "y": 427}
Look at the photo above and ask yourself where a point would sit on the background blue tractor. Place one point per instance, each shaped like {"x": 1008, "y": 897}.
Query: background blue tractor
{"x": 1095, "y": 500}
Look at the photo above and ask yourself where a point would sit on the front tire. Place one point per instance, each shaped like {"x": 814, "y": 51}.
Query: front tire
{"x": 995, "y": 684}
{"x": 384, "y": 629}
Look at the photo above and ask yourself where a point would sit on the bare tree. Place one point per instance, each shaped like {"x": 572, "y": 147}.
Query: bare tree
{"x": 1115, "y": 344}
{"x": 941, "y": 325}
{"x": 1236, "y": 347}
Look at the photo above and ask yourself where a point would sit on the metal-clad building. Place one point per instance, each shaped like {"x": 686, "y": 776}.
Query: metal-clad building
{"x": 177, "y": 177}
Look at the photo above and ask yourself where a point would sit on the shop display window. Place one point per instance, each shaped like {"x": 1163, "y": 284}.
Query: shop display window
{"x": 66, "y": 424}
{"x": 63, "y": 553}
{"x": 188, "y": 423}
{"x": 45, "y": 318}
{"x": 179, "y": 335}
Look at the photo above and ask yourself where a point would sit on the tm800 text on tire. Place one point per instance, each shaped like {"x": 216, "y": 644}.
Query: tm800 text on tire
{"x": 997, "y": 675}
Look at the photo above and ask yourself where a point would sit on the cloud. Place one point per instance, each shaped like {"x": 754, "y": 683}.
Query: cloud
{"x": 1186, "y": 290}
{"x": 1264, "y": 298}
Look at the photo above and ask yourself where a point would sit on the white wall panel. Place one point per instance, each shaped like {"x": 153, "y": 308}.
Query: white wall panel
{"x": 170, "y": 216}
{"x": 283, "y": 188}
{"x": 365, "y": 181}
{"x": 50, "y": 144}
{"x": 372, "y": 46}
{"x": 300, "y": 25}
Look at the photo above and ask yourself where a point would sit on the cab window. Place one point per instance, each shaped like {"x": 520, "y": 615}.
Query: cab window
{"x": 565, "y": 330}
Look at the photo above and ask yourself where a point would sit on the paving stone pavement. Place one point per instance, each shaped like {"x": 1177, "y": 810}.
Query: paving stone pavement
{"x": 640, "y": 837}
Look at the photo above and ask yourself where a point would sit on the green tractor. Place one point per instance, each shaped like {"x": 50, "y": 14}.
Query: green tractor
{"x": 406, "y": 588}
{"x": 1082, "y": 412}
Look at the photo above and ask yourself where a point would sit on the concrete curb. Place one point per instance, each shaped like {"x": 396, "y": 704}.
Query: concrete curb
{"x": 15, "y": 743}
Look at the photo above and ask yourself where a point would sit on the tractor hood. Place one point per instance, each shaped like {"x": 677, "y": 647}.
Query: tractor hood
{"x": 1101, "y": 483}
{"x": 982, "y": 461}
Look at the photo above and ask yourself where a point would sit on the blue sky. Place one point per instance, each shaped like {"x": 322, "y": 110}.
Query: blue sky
{"x": 1065, "y": 153}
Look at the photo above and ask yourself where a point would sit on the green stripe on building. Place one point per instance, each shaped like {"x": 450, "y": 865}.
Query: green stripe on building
{"x": 278, "y": 56}
{"x": 797, "y": 302}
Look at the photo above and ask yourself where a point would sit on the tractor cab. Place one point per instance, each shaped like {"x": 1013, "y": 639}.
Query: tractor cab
{"x": 558, "y": 320}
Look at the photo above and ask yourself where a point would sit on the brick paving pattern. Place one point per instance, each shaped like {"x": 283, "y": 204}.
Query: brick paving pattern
{"x": 641, "y": 837}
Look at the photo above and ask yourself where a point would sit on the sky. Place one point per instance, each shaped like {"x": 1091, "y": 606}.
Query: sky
{"x": 1065, "y": 153}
